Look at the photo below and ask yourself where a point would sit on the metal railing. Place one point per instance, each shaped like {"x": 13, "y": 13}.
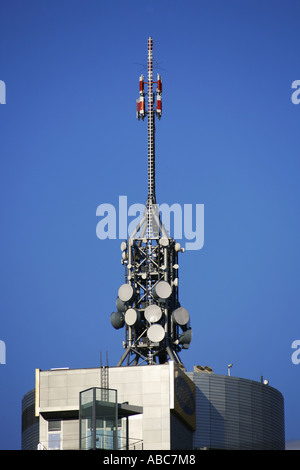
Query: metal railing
{"x": 108, "y": 442}
{"x": 103, "y": 442}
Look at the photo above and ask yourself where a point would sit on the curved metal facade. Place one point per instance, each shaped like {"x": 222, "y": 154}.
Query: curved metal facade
{"x": 30, "y": 423}
{"x": 236, "y": 413}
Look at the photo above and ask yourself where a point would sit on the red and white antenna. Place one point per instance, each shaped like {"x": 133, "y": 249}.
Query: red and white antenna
{"x": 150, "y": 113}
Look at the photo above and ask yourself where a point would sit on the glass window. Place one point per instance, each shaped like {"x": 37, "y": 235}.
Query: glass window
{"x": 54, "y": 434}
{"x": 54, "y": 441}
{"x": 54, "y": 425}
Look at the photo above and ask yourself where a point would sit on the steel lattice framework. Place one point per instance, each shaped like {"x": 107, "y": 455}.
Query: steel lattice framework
{"x": 156, "y": 326}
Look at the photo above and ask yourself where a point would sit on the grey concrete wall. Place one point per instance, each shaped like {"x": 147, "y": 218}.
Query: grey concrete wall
{"x": 146, "y": 386}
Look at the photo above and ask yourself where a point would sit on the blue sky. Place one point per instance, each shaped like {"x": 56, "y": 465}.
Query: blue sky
{"x": 229, "y": 139}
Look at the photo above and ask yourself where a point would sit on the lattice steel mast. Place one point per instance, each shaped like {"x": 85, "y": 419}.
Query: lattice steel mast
{"x": 156, "y": 326}
{"x": 151, "y": 137}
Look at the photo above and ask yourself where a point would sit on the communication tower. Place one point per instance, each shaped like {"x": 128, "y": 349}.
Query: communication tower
{"x": 157, "y": 328}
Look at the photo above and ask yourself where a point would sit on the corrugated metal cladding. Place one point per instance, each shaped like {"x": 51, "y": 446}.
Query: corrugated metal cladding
{"x": 181, "y": 434}
{"x": 30, "y": 423}
{"x": 236, "y": 413}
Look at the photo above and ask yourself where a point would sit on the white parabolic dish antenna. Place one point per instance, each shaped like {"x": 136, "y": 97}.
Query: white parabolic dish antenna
{"x": 156, "y": 333}
{"x": 125, "y": 292}
{"x": 181, "y": 316}
{"x": 162, "y": 290}
{"x": 131, "y": 316}
{"x": 153, "y": 313}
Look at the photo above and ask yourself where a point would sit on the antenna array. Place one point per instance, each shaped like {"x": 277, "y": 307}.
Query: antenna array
{"x": 157, "y": 328}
